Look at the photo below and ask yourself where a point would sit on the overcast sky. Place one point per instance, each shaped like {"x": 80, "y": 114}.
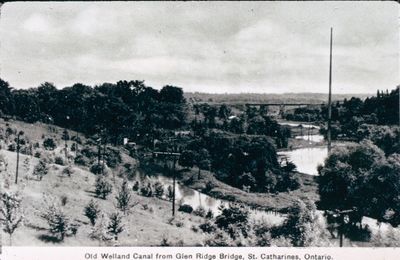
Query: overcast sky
{"x": 270, "y": 47}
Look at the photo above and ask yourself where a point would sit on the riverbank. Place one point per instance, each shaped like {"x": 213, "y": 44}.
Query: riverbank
{"x": 279, "y": 202}
{"x": 208, "y": 184}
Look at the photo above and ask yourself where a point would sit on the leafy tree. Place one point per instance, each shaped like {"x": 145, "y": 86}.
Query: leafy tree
{"x": 115, "y": 226}
{"x": 100, "y": 230}
{"x": 124, "y": 197}
{"x": 172, "y": 94}
{"x": 59, "y": 223}
{"x": 92, "y": 211}
{"x": 210, "y": 112}
{"x": 234, "y": 219}
{"x": 224, "y": 112}
{"x": 187, "y": 159}
{"x": 359, "y": 176}
{"x": 236, "y": 125}
{"x": 6, "y": 98}
{"x": 27, "y": 108}
{"x": 96, "y": 168}
{"x": 256, "y": 125}
{"x": 11, "y": 215}
{"x": 102, "y": 187}
{"x": 303, "y": 227}
{"x": 382, "y": 188}
{"x": 49, "y": 144}
{"x": 40, "y": 169}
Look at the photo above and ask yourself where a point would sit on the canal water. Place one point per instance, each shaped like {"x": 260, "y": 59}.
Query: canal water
{"x": 306, "y": 160}
{"x": 194, "y": 198}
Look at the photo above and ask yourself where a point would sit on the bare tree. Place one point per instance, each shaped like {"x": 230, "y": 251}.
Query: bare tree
{"x": 11, "y": 215}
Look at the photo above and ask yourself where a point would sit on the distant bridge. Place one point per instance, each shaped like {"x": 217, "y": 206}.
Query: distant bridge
{"x": 285, "y": 104}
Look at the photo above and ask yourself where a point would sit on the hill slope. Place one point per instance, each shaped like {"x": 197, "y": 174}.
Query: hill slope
{"x": 147, "y": 223}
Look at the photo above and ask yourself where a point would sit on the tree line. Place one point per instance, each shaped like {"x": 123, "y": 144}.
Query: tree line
{"x": 126, "y": 108}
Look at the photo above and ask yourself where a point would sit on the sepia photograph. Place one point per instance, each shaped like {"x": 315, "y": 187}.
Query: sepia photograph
{"x": 199, "y": 124}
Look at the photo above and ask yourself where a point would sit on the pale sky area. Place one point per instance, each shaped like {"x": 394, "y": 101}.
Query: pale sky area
{"x": 217, "y": 47}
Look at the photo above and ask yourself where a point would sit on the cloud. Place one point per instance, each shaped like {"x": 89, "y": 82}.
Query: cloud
{"x": 36, "y": 23}
{"x": 216, "y": 47}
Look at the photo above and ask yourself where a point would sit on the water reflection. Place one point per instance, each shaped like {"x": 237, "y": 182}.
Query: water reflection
{"x": 297, "y": 124}
{"x": 194, "y": 198}
{"x": 306, "y": 159}
{"x": 311, "y": 138}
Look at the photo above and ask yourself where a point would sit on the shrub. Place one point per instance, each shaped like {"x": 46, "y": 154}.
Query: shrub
{"x": 194, "y": 229}
{"x": 264, "y": 239}
{"x": 234, "y": 219}
{"x": 123, "y": 197}
{"x": 76, "y": 139}
{"x": 209, "y": 187}
{"x": 165, "y": 241}
{"x": 64, "y": 200}
{"x": 49, "y": 144}
{"x": 81, "y": 160}
{"x": 145, "y": 206}
{"x": 68, "y": 171}
{"x": 100, "y": 230}
{"x": 200, "y": 211}
{"x": 40, "y": 169}
{"x": 65, "y": 135}
{"x": 96, "y": 168}
{"x": 146, "y": 190}
{"x": 102, "y": 187}
{"x": 219, "y": 239}
{"x": 129, "y": 171}
{"x": 12, "y": 147}
{"x": 210, "y": 214}
{"x": 74, "y": 228}
{"x": 112, "y": 157}
{"x": 170, "y": 192}
{"x": 58, "y": 160}
{"x": 180, "y": 243}
{"x": 208, "y": 227}
{"x": 37, "y": 154}
{"x": 186, "y": 208}
{"x": 92, "y": 211}
{"x": 388, "y": 238}
{"x": 136, "y": 186}
{"x": 158, "y": 189}
{"x": 179, "y": 223}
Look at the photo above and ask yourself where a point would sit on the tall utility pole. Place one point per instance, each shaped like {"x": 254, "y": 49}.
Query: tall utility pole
{"x": 65, "y": 139}
{"x": 103, "y": 156}
{"x": 175, "y": 156}
{"x": 330, "y": 96}
{"x": 173, "y": 189}
{"x": 18, "y": 147}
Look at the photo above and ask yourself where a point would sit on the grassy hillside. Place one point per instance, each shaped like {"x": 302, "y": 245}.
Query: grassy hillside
{"x": 148, "y": 222}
